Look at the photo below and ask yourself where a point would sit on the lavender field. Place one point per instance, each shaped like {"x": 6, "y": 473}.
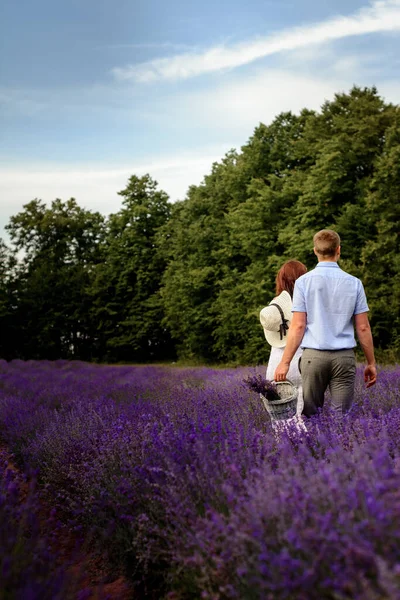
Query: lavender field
{"x": 177, "y": 476}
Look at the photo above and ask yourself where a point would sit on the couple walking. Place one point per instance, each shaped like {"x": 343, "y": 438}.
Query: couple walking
{"x": 317, "y": 351}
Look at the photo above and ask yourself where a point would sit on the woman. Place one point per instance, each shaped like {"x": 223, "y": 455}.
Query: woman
{"x": 275, "y": 319}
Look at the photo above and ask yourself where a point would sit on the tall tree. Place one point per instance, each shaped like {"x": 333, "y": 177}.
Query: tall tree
{"x": 195, "y": 241}
{"x": 347, "y": 137}
{"x": 59, "y": 248}
{"x": 9, "y": 329}
{"x": 380, "y": 256}
{"x": 247, "y": 282}
{"x": 126, "y": 301}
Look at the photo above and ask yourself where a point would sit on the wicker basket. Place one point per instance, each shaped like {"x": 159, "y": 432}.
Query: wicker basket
{"x": 286, "y": 406}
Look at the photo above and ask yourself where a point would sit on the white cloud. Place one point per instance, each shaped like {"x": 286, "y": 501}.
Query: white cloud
{"x": 230, "y": 110}
{"x": 227, "y": 112}
{"x": 96, "y": 187}
{"x": 380, "y": 16}
{"x": 240, "y": 104}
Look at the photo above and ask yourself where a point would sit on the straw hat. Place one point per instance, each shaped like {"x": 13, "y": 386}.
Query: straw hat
{"x": 275, "y": 319}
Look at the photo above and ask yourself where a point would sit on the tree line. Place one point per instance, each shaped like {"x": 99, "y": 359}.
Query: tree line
{"x": 160, "y": 280}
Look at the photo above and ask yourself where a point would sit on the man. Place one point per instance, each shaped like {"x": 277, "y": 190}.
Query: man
{"x": 325, "y": 301}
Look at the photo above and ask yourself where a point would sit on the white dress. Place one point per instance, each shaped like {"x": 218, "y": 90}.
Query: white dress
{"x": 293, "y": 374}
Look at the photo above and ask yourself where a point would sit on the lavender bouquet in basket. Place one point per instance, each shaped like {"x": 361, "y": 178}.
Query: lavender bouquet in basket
{"x": 260, "y": 385}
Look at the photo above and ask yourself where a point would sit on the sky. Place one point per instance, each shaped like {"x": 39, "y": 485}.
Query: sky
{"x": 94, "y": 91}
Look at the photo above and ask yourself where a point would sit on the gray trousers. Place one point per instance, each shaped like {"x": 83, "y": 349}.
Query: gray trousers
{"x": 321, "y": 369}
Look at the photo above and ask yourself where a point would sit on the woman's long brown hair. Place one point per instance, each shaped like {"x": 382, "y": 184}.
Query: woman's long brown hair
{"x": 287, "y": 275}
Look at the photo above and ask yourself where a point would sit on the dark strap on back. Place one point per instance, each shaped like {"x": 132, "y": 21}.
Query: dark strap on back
{"x": 284, "y": 325}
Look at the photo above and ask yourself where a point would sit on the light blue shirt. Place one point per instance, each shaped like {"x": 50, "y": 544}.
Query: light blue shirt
{"x": 330, "y": 297}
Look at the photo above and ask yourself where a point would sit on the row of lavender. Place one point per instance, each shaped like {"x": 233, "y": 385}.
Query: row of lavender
{"x": 180, "y": 477}
{"x": 32, "y": 566}
{"x": 27, "y": 568}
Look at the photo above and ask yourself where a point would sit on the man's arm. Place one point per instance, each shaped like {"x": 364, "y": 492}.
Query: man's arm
{"x": 364, "y": 335}
{"x": 295, "y": 335}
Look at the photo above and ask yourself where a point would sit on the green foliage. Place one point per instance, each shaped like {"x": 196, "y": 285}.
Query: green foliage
{"x": 381, "y": 254}
{"x": 59, "y": 248}
{"x": 9, "y": 343}
{"x": 262, "y": 206}
{"x": 126, "y": 303}
{"x": 190, "y": 278}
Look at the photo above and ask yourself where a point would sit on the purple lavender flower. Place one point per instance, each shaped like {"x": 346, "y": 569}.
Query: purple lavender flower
{"x": 257, "y": 383}
{"x": 176, "y": 473}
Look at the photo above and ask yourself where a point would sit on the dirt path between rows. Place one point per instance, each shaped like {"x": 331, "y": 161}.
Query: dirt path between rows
{"x": 90, "y": 572}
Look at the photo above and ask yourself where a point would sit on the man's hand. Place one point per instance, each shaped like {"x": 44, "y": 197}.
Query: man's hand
{"x": 281, "y": 371}
{"x": 370, "y": 375}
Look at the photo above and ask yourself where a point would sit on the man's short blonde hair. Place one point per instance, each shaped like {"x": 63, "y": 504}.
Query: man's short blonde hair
{"x": 326, "y": 242}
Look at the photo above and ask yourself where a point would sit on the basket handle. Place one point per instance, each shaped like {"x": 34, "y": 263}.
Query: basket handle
{"x": 284, "y": 381}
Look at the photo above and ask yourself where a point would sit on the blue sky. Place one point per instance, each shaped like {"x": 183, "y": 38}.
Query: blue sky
{"x": 94, "y": 91}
